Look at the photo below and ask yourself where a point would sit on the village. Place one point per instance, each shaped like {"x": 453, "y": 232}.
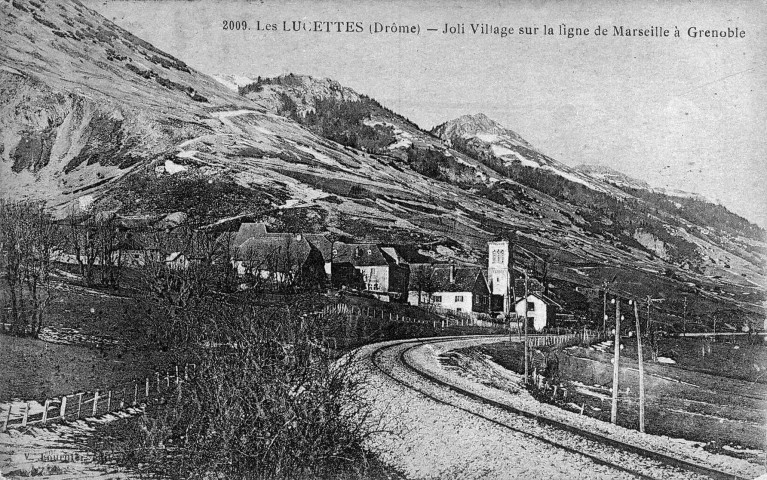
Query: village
{"x": 392, "y": 273}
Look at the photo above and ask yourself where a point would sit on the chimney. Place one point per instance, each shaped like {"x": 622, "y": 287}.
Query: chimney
{"x": 452, "y": 273}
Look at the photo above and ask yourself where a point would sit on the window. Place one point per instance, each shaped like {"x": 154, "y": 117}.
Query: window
{"x": 458, "y": 309}
{"x": 372, "y": 271}
{"x": 437, "y": 298}
{"x": 459, "y": 298}
{"x": 530, "y": 306}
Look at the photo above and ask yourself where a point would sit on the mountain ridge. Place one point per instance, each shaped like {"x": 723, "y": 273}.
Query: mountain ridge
{"x": 94, "y": 118}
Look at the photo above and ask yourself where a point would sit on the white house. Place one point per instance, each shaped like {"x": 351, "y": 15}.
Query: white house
{"x": 177, "y": 260}
{"x": 541, "y": 310}
{"x": 463, "y": 289}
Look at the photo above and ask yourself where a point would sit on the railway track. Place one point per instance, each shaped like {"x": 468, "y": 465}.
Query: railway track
{"x": 393, "y": 361}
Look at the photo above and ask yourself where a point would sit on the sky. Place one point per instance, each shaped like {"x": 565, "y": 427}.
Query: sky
{"x": 683, "y": 113}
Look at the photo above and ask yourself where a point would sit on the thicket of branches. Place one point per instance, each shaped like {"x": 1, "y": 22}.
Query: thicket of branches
{"x": 267, "y": 400}
{"x": 96, "y": 241}
{"x": 28, "y": 236}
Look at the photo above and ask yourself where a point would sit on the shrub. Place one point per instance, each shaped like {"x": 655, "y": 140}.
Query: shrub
{"x": 269, "y": 402}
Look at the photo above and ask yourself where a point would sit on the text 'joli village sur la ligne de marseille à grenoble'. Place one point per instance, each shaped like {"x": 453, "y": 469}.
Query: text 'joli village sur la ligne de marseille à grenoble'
{"x": 482, "y": 29}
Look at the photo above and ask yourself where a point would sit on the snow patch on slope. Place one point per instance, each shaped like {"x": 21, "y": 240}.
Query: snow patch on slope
{"x": 233, "y": 82}
{"x": 173, "y": 168}
{"x": 574, "y": 178}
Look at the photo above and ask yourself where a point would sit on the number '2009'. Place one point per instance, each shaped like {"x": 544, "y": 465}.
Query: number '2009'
{"x": 235, "y": 25}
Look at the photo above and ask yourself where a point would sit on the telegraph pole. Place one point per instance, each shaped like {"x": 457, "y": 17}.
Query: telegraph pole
{"x": 684, "y": 317}
{"x": 526, "y": 344}
{"x": 604, "y": 307}
{"x": 511, "y": 272}
{"x": 641, "y": 369}
{"x": 651, "y": 328}
{"x": 616, "y": 360}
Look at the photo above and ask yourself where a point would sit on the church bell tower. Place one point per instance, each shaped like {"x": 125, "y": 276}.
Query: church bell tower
{"x": 498, "y": 271}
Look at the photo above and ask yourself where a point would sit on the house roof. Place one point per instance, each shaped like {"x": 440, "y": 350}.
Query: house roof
{"x": 275, "y": 252}
{"x": 541, "y": 297}
{"x": 249, "y": 230}
{"x": 321, "y": 243}
{"x": 464, "y": 278}
{"x": 174, "y": 256}
{"x": 407, "y": 254}
{"x": 361, "y": 255}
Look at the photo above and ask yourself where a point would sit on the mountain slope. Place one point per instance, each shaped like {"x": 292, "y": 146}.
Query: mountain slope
{"x": 610, "y": 175}
{"x": 83, "y": 101}
{"x": 92, "y": 116}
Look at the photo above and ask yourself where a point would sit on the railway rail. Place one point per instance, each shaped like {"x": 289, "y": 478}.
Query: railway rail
{"x": 392, "y": 360}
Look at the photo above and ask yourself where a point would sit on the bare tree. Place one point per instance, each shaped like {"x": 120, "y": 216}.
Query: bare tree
{"x": 109, "y": 242}
{"x": 97, "y": 241}
{"x": 423, "y": 281}
{"x": 41, "y": 237}
{"x": 11, "y": 240}
{"x": 82, "y": 240}
{"x": 28, "y": 238}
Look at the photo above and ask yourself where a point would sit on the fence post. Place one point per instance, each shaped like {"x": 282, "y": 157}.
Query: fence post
{"x": 157, "y": 375}
{"x": 186, "y": 371}
{"x": 45, "y": 410}
{"x": 26, "y": 415}
{"x": 95, "y": 403}
{"x": 79, "y": 404}
{"x": 177, "y": 379}
{"x": 167, "y": 379}
{"x": 63, "y": 411}
{"x": 7, "y": 417}
{"x": 122, "y": 399}
{"x": 109, "y": 401}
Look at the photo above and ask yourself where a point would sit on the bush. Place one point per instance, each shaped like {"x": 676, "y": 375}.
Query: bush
{"x": 267, "y": 401}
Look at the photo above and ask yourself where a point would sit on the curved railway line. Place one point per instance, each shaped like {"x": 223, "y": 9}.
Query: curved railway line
{"x": 392, "y": 361}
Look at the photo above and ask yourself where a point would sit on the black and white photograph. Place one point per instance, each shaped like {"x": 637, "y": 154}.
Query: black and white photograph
{"x": 386, "y": 240}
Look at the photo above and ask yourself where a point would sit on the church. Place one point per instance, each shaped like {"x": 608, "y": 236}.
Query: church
{"x": 499, "y": 277}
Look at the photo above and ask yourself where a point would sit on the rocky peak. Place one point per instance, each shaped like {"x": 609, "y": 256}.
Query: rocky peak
{"x": 303, "y": 90}
{"x": 477, "y": 125}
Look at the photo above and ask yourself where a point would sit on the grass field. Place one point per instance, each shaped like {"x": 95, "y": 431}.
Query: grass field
{"x": 33, "y": 369}
{"x": 739, "y": 357}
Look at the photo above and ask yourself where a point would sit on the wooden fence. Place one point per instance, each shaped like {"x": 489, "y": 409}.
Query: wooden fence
{"x": 91, "y": 404}
{"x": 373, "y": 317}
{"x": 447, "y": 318}
{"x": 585, "y": 337}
